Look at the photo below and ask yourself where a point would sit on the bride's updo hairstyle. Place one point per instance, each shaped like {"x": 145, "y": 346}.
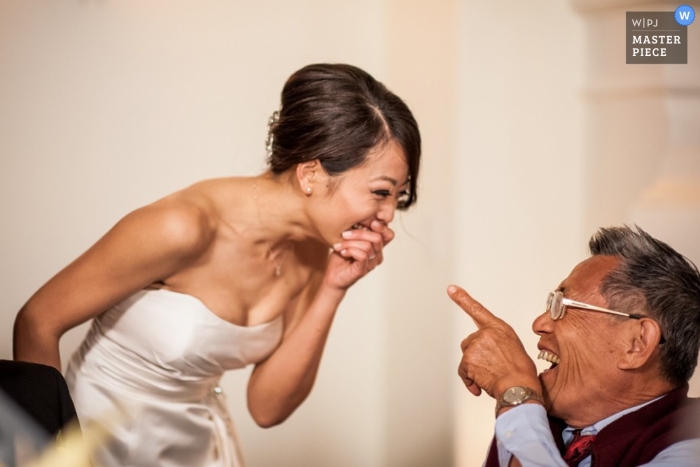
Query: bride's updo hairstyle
{"x": 337, "y": 114}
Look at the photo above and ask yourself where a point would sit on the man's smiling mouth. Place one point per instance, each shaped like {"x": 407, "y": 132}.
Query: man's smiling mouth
{"x": 548, "y": 357}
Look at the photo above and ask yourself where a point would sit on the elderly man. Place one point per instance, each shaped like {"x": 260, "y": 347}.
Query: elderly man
{"x": 622, "y": 333}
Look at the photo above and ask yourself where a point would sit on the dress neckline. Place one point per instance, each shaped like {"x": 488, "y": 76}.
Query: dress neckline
{"x": 210, "y": 312}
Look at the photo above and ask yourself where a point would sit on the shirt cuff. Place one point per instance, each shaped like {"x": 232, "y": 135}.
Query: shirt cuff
{"x": 523, "y": 431}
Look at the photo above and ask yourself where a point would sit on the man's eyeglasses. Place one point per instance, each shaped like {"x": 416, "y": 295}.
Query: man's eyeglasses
{"x": 556, "y": 306}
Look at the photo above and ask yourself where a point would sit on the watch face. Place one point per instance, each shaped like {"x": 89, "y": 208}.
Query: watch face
{"x": 515, "y": 395}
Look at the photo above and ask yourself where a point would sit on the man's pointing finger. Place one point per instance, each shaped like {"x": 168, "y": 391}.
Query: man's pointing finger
{"x": 480, "y": 315}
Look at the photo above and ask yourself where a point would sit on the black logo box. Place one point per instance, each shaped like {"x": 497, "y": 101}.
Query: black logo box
{"x": 656, "y": 37}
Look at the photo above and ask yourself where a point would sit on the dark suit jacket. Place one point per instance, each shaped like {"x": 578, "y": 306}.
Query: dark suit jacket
{"x": 40, "y": 391}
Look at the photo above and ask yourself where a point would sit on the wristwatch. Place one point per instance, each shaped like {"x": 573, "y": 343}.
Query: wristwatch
{"x": 515, "y": 396}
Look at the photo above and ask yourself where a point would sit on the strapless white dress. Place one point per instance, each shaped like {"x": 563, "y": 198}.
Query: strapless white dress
{"x": 159, "y": 355}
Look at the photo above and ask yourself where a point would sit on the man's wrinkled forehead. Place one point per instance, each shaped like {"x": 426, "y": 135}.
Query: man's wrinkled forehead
{"x": 585, "y": 279}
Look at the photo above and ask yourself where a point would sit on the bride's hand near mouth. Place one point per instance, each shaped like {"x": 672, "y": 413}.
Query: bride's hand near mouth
{"x": 360, "y": 251}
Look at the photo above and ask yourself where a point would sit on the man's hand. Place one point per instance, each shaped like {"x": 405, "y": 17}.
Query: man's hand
{"x": 493, "y": 357}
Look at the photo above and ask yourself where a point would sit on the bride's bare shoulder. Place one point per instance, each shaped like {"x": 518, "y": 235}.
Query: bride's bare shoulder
{"x": 206, "y": 195}
{"x": 190, "y": 216}
{"x": 213, "y": 195}
{"x": 199, "y": 209}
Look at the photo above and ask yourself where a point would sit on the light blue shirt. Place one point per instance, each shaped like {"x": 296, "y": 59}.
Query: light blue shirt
{"x": 524, "y": 432}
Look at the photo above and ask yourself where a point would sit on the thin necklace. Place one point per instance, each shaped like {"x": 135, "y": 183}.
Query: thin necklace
{"x": 278, "y": 266}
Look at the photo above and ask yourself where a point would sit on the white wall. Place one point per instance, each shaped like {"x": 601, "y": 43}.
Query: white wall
{"x": 107, "y": 105}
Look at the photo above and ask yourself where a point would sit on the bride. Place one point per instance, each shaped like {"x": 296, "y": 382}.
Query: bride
{"x": 231, "y": 272}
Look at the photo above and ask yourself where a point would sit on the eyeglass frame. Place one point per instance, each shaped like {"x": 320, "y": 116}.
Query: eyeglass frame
{"x": 564, "y": 302}
{"x": 585, "y": 306}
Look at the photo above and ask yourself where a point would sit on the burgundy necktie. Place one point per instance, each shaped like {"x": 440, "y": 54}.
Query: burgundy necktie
{"x": 578, "y": 449}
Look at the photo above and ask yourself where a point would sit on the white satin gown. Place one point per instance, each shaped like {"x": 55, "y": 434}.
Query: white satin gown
{"x": 158, "y": 355}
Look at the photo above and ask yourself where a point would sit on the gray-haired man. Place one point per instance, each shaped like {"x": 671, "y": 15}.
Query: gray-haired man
{"x": 622, "y": 332}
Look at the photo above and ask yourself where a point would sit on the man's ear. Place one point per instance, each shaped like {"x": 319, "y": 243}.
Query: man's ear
{"x": 642, "y": 342}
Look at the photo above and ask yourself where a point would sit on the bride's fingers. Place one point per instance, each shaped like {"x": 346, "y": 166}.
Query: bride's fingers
{"x": 368, "y": 247}
{"x": 366, "y": 235}
{"x": 383, "y": 229}
{"x": 358, "y": 254}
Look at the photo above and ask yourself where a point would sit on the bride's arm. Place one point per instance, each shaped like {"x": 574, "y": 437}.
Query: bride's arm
{"x": 147, "y": 245}
{"x": 282, "y": 382}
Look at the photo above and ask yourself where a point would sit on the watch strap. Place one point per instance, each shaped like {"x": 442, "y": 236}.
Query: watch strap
{"x": 527, "y": 394}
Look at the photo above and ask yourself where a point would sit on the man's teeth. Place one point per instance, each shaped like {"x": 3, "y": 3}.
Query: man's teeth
{"x": 550, "y": 357}
{"x": 359, "y": 226}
